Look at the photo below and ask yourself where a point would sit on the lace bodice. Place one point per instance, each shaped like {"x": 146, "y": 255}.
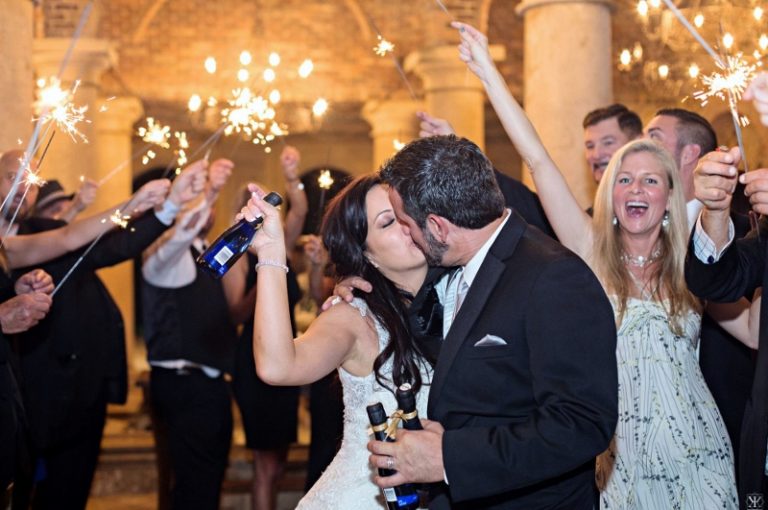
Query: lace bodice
{"x": 347, "y": 483}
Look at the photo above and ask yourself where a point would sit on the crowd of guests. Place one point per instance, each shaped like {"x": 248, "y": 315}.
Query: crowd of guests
{"x": 560, "y": 357}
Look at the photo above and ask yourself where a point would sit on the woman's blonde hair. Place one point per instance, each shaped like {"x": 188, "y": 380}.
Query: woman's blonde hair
{"x": 668, "y": 285}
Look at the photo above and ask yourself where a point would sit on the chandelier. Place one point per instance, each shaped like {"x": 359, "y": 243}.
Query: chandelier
{"x": 249, "y": 109}
{"x": 668, "y": 60}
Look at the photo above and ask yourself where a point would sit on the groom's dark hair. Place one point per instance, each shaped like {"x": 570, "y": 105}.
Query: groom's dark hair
{"x": 447, "y": 176}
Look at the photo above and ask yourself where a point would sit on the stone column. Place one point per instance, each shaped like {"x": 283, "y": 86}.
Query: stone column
{"x": 452, "y": 91}
{"x": 391, "y": 120}
{"x": 567, "y": 73}
{"x": 68, "y": 159}
{"x": 16, "y": 79}
{"x": 114, "y": 133}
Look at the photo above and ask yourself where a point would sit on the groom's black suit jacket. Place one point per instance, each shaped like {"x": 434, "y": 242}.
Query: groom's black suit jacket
{"x": 523, "y": 421}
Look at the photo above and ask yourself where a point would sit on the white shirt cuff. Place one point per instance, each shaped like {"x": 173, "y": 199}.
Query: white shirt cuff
{"x": 704, "y": 247}
{"x": 167, "y": 212}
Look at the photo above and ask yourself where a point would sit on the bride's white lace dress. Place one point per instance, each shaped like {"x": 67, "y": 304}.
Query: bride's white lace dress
{"x": 347, "y": 483}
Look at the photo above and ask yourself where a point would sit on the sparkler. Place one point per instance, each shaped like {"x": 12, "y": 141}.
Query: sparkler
{"x": 385, "y": 47}
{"x": 324, "y": 182}
{"x": 727, "y": 85}
{"x": 55, "y": 104}
{"x": 154, "y": 134}
{"x": 445, "y": 9}
{"x": 119, "y": 219}
{"x": 123, "y": 164}
{"x": 32, "y": 146}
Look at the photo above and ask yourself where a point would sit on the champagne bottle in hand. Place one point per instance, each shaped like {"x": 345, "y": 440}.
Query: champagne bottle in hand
{"x": 406, "y": 402}
{"x": 402, "y": 497}
{"x": 222, "y": 254}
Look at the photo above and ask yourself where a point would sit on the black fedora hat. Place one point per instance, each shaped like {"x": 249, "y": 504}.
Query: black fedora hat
{"x": 51, "y": 192}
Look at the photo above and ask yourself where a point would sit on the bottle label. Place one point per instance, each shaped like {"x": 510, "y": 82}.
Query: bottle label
{"x": 223, "y": 255}
{"x": 389, "y": 494}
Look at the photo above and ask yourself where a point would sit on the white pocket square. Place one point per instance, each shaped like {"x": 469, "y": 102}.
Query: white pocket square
{"x": 489, "y": 340}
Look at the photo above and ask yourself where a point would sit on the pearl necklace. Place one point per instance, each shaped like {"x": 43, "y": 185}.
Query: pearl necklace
{"x": 640, "y": 261}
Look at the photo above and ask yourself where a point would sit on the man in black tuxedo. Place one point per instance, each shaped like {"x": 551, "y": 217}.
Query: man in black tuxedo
{"x": 524, "y": 394}
{"x": 723, "y": 270}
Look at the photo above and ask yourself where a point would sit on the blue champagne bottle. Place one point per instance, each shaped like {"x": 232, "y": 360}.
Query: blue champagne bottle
{"x": 402, "y": 497}
{"x": 229, "y": 246}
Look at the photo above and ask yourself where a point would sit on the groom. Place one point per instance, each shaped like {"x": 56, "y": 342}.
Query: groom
{"x": 524, "y": 394}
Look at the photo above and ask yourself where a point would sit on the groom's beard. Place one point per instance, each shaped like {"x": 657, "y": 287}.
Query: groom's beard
{"x": 434, "y": 250}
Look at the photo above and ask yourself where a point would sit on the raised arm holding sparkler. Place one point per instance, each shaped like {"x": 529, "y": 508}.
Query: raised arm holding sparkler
{"x": 569, "y": 221}
{"x": 27, "y": 250}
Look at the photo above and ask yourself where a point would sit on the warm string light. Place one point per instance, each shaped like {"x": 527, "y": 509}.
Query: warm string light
{"x": 210, "y": 65}
{"x": 320, "y": 107}
{"x": 397, "y": 144}
{"x": 306, "y": 67}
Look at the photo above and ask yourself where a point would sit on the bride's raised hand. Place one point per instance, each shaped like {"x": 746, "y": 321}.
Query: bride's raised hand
{"x": 473, "y": 50}
{"x": 270, "y": 235}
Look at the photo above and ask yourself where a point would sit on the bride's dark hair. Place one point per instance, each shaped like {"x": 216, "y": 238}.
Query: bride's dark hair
{"x": 345, "y": 230}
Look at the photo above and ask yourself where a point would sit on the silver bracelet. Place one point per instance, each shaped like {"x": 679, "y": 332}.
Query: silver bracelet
{"x": 272, "y": 263}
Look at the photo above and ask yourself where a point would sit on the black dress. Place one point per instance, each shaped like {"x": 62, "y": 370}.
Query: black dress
{"x": 270, "y": 413}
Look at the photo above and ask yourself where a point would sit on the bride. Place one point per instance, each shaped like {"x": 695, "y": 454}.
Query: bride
{"x": 367, "y": 340}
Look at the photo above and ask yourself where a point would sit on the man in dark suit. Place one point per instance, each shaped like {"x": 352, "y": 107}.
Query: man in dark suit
{"x": 524, "y": 394}
{"x": 21, "y": 307}
{"x": 723, "y": 270}
{"x": 73, "y": 363}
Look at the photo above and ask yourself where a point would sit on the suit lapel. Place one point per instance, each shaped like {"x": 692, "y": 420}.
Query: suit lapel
{"x": 483, "y": 285}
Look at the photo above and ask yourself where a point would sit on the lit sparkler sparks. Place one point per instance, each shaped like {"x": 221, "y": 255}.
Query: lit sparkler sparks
{"x": 119, "y": 219}
{"x": 734, "y": 79}
{"x": 55, "y": 104}
{"x": 32, "y": 179}
{"x": 383, "y": 47}
{"x": 181, "y": 152}
{"x": 325, "y": 180}
{"x": 733, "y": 69}
{"x": 154, "y": 134}
{"x": 253, "y": 116}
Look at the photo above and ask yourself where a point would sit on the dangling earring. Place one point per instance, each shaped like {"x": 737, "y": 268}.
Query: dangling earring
{"x": 665, "y": 220}
{"x": 615, "y": 221}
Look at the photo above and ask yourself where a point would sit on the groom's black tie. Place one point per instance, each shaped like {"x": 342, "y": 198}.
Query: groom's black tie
{"x": 427, "y": 322}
